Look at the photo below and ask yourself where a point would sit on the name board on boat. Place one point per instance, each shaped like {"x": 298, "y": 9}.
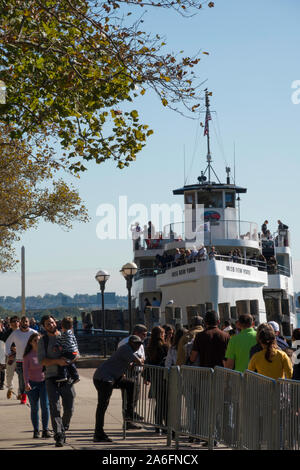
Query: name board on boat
{"x": 180, "y": 272}
{"x": 235, "y": 269}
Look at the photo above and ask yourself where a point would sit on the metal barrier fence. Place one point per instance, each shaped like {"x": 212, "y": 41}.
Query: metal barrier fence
{"x": 289, "y": 391}
{"x": 196, "y": 398}
{"x": 242, "y": 411}
{"x": 227, "y": 406}
{"x": 260, "y": 412}
{"x": 151, "y": 397}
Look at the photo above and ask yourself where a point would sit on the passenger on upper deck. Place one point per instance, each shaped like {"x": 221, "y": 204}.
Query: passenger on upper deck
{"x": 262, "y": 262}
{"x": 194, "y": 254}
{"x": 282, "y": 226}
{"x": 202, "y": 253}
{"x": 151, "y": 230}
{"x": 177, "y": 257}
{"x": 213, "y": 252}
{"x": 136, "y": 235}
{"x": 272, "y": 265}
{"x": 264, "y": 227}
{"x": 268, "y": 235}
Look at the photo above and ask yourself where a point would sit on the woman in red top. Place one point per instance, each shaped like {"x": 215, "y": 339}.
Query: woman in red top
{"x": 35, "y": 386}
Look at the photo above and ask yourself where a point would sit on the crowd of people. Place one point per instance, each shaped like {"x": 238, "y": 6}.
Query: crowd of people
{"x": 44, "y": 359}
{"x": 206, "y": 343}
{"x": 184, "y": 256}
{"x": 45, "y": 364}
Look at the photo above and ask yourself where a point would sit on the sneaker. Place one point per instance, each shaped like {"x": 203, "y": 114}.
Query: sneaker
{"x": 66, "y": 427}
{"x": 46, "y": 434}
{"x": 36, "y": 434}
{"x": 130, "y": 425}
{"x": 9, "y": 394}
{"x": 101, "y": 438}
{"x": 75, "y": 381}
{"x": 23, "y": 398}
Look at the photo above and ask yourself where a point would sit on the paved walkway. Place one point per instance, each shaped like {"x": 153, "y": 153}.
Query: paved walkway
{"x": 16, "y": 429}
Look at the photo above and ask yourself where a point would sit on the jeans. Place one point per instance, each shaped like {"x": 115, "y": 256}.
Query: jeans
{"x": 19, "y": 370}
{"x": 57, "y": 391}
{"x": 38, "y": 393}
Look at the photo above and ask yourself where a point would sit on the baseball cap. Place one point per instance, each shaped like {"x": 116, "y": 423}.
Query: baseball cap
{"x": 135, "y": 339}
{"x": 274, "y": 325}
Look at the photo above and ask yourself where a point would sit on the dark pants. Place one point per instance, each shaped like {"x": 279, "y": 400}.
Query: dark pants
{"x": 69, "y": 371}
{"x": 2, "y": 378}
{"x": 104, "y": 390}
{"x": 57, "y": 391}
{"x": 19, "y": 370}
{"x": 38, "y": 395}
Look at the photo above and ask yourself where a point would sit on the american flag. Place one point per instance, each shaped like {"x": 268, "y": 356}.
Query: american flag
{"x": 207, "y": 118}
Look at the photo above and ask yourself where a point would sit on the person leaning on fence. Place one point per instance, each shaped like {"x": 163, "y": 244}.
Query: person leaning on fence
{"x": 271, "y": 361}
{"x": 141, "y": 332}
{"x": 110, "y": 375}
{"x": 188, "y": 338}
{"x": 238, "y": 349}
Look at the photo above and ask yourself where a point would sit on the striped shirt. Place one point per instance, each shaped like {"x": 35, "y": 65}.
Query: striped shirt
{"x": 67, "y": 341}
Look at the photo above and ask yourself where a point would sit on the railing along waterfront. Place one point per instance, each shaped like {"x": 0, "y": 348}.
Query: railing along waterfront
{"x": 242, "y": 411}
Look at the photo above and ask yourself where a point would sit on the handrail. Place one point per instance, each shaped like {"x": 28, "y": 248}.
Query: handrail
{"x": 152, "y": 272}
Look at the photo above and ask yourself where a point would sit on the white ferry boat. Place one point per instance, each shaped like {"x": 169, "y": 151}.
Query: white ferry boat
{"x": 247, "y": 268}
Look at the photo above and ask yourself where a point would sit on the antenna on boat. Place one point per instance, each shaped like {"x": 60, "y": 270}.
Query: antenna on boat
{"x": 209, "y": 167}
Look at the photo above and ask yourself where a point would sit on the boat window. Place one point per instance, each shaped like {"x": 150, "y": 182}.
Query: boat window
{"x": 190, "y": 199}
{"x": 229, "y": 199}
{"x": 211, "y": 199}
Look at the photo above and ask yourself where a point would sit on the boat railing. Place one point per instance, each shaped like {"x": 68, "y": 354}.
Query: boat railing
{"x": 146, "y": 272}
{"x": 278, "y": 269}
{"x": 280, "y": 239}
{"x": 152, "y": 272}
{"x": 211, "y": 230}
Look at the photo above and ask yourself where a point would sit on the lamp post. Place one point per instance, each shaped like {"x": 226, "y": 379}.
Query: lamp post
{"x": 128, "y": 271}
{"x": 102, "y": 277}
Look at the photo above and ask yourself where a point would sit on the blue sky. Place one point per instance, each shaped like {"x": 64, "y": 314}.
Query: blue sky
{"x": 253, "y": 61}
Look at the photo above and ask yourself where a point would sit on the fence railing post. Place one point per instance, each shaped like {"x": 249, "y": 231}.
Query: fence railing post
{"x": 174, "y": 404}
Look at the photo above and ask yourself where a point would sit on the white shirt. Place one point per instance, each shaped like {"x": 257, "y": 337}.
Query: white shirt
{"x": 140, "y": 353}
{"x": 20, "y": 338}
{"x": 2, "y": 352}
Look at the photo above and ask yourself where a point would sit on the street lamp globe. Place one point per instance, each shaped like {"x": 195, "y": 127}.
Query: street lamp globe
{"x": 129, "y": 269}
{"x": 102, "y": 276}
